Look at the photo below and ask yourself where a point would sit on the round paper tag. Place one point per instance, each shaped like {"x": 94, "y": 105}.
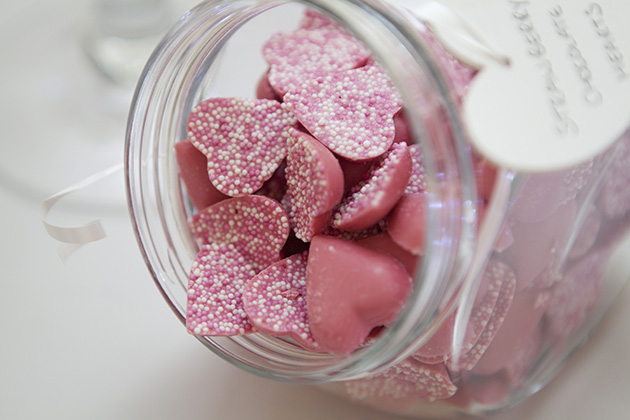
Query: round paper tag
{"x": 559, "y": 95}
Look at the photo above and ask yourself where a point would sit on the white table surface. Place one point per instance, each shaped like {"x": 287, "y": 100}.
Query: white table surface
{"x": 93, "y": 338}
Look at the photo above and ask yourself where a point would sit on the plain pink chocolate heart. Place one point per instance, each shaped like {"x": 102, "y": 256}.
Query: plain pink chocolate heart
{"x": 351, "y": 290}
{"x": 383, "y": 243}
{"x": 193, "y": 169}
{"x": 314, "y": 184}
{"x": 406, "y": 223}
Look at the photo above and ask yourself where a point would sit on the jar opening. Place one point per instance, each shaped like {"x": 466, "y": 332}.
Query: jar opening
{"x": 200, "y": 58}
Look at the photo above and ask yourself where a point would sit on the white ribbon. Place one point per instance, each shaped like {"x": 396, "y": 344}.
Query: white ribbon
{"x": 73, "y": 238}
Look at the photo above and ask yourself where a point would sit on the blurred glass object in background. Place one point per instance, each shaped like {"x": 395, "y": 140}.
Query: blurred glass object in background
{"x": 123, "y": 34}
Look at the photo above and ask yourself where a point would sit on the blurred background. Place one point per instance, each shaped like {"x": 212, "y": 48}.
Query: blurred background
{"x": 92, "y": 338}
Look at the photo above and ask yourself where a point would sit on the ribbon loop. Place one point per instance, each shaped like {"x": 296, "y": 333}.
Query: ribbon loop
{"x": 73, "y": 238}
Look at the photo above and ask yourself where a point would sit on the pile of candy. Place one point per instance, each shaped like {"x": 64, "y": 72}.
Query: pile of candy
{"x": 310, "y": 219}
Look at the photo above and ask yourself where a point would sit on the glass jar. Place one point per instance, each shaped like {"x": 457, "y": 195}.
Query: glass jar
{"x": 517, "y": 267}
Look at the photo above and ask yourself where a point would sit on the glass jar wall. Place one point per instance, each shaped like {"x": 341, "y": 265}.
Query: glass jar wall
{"x": 507, "y": 271}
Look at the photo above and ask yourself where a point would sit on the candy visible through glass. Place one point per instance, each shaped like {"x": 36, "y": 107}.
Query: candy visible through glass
{"x": 325, "y": 110}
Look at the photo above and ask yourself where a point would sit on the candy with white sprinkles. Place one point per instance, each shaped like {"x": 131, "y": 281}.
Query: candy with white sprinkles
{"x": 351, "y": 112}
{"x": 574, "y": 295}
{"x": 310, "y": 218}
{"x": 409, "y": 380}
{"x": 520, "y": 325}
{"x": 275, "y": 300}
{"x": 304, "y": 54}
{"x": 243, "y": 139}
{"x": 468, "y": 360}
{"x": 370, "y": 200}
{"x": 314, "y": 184}
{"x": 316, "y": 20}
{"x": 215, "y": 304}
{"x": 256, "y": 226}
{"x": 417, "y": 181}
{"x": 439, "y": 348}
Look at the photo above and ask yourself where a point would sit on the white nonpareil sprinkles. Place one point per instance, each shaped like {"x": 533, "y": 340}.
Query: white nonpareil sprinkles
{"x": 243, "y": 139}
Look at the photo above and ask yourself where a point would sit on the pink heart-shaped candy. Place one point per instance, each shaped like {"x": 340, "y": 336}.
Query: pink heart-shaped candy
{"x": 350, "y": 112}
{"x": 439, "y": 347}
{"x": 417, "y": 181}
{"x": 215, "y": 290}
{"x": 350, "y": 290}
{"x": 193, "y": 169}
{"x": 256, "y": 226}
{"x": 243, "y": 139}
{"x": 275, "y": 300}
{"x": 492, "y": 325}
{"x": 383, "y": 243}
{"x": 406, "y": 223}
{"x": 537, "y": 246}
{"x": 314, "y": 184}
{"x": 296, "y": 57}
{"x": 518, "y": 328}
{"x": 404, "y": 383}
{"x": 370, "y": 200}
{"x": 315, "y": 20}
{"x": 576, "y": 293}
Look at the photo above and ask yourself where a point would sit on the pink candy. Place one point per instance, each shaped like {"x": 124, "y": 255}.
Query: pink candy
{"x": 407, "y": 381}
{"x": 243, "y": 139}
{"x": 315, "y": 184}
{"x": 275, "y": 300}
{"x": 406, "y": 222}
{"x": 370, "y": 200}
{"x": 215, "y": 304}
{"x": 311, "y": 216}
{"x": 351, "y": 289}
{"x": 352, "y": 112}
{"x": 299, "y": 56}
{"x": 256, "y": 226}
